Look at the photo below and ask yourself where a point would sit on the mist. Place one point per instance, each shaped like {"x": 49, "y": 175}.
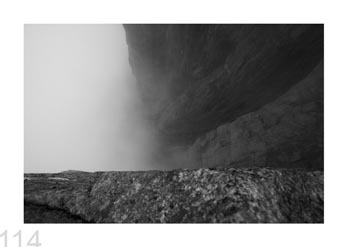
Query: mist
{"x": 82, "y": 107}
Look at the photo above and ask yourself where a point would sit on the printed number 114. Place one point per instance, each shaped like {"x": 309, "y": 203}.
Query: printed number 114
{"x": 33, "y": 241}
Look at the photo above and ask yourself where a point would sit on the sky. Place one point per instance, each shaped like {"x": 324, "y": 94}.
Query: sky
{"x": 81, "y": 105}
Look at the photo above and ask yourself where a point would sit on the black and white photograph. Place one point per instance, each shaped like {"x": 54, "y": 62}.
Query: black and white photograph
{"x": 173, "y": 123}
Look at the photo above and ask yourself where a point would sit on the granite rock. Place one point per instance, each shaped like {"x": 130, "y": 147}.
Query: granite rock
{"x": 221, "y": 195}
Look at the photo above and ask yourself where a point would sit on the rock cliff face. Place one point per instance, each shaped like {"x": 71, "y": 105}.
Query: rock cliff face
{"x": 287, "y": 132}
{"x": 233, "y": 95}
{"x": 180, "y": 196}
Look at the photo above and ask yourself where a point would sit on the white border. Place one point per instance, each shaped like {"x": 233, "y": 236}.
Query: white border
{"x": 334, "y": 14}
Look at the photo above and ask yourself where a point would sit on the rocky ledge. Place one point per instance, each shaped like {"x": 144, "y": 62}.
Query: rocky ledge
{"x": 223, "y": 195}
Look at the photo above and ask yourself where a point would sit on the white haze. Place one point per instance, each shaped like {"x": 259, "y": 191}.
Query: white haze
{"x": 82, "y": 110}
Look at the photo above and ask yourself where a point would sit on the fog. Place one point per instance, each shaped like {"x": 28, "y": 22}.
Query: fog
{"x": 82, "y": 109}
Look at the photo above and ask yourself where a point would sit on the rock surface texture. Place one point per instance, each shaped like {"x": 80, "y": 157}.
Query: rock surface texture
{"x": 187, "y": 196}
{"x": 233, "y": 95}
{"x": 287, "y": 132}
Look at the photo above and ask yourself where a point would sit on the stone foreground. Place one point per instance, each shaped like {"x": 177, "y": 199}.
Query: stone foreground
{"x": 222, "y": 195}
